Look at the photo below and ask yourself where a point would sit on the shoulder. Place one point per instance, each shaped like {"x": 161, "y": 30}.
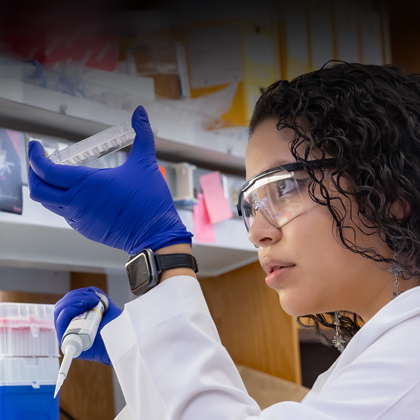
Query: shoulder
{"x": 398, "y": 315}
{"x": 378, "y": 374}
{"x": 396, "y": 321}
{"x": 388, "y": 344}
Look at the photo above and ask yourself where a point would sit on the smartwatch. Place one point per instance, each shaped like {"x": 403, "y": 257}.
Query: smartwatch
{"x": 143, "y": 269}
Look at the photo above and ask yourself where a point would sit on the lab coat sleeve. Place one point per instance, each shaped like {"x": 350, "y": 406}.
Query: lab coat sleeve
{"x": 171, "y": 364}
{"x": 168, "y": 358}
{"x": 124, "y": 414}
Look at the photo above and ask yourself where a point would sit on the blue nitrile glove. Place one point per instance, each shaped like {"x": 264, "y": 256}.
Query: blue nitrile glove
{"x": 75, "y": 303}
{"x": 128, "y": 207}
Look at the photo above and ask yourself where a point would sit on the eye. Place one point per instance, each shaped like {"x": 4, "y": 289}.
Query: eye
{"x": 283, "y": 187}
{"x": 286, "y": 188}
{"x": 302, "y": 182}
{"x": 278, "y": 189}
{"x": 250, "y": 209}
{"x": 255, "y": 209}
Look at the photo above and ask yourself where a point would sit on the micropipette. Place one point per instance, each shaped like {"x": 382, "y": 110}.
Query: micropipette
{"x": 79, "y": 336}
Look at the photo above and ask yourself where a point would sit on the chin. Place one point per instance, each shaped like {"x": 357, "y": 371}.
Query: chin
{"x": 296, "y": 306}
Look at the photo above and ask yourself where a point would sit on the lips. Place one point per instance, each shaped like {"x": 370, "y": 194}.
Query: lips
{"x": 269, "y": 265}
{"x": 277, "y": 268}
{"x": 277, "y": 277}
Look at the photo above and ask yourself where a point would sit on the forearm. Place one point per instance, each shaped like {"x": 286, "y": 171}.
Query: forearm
{"x": 176, "y": 249}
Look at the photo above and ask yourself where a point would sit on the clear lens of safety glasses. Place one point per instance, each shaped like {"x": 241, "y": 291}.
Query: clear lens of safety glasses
{"x": 277, "y": 196}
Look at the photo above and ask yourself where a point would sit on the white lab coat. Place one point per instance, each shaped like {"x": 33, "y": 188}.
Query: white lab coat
{"x": 171, "y": 365}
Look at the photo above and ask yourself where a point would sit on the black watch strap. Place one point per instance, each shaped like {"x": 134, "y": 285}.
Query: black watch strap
{"x": 167, "y": 261}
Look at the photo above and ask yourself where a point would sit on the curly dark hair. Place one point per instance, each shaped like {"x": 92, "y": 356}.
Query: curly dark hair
{"x": 368, "y": 117}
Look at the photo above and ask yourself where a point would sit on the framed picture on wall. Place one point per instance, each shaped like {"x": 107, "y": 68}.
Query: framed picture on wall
{"x": 10, "y": 171}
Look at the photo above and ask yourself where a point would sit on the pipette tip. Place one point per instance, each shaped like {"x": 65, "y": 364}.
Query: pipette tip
{"x": 60, "y": 381}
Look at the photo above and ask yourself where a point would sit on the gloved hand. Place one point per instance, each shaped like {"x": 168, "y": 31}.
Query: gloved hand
{"x": 129, "y": 207}
{"x": 75, "y": 303}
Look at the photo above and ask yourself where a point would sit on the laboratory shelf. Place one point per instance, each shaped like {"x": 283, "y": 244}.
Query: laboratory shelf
{"x": 26, "y": 107}
{"x": 41, "y": 239}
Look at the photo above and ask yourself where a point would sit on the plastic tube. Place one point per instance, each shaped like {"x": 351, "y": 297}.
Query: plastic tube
{"x": 96, "y": 146}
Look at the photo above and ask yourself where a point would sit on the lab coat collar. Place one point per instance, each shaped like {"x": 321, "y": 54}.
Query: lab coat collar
{"x": 400, "y": 309}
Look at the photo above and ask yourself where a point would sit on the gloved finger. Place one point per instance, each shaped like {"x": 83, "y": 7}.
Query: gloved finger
{"x": 88, "y": 298}
{"x": 55, "y": 209}
{"x": 65, "y": 316}
{"x": 61, "y": 176}
{"x": 144, "y": 143}
{"x": 35, "y": 183}
{"x": 110, "y": 303}
{"x": 42, "y": 192}
{"x": 95, "y": 289}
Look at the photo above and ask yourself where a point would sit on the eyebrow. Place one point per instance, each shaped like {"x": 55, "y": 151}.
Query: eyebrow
{"x": 283, "y": 162}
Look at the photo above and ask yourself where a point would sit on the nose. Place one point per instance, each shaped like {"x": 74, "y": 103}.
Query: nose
{"x": 262, "y": 232}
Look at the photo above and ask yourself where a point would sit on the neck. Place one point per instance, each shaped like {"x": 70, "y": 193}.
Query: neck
{"x": 386, "y": 294}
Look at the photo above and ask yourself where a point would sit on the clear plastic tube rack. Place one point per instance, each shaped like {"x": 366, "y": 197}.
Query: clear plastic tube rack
{"x": 96, "y": 146}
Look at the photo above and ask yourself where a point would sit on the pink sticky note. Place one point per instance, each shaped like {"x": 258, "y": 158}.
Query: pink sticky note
{"x": 15, "y": 139}
{"x": 203, "y": 228}
{"x": 214, "y": 197}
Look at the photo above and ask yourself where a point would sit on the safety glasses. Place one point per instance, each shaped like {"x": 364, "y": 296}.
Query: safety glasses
{"x": 276, "y": 193}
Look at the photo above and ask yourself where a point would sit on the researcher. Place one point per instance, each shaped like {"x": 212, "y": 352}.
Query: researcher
{"x": 331, "y": 201}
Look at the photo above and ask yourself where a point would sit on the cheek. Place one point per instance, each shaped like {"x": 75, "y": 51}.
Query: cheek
{"x": 321, "y": 264}
{"x": 324, "y": 258}
{"x": 311, "y": 234}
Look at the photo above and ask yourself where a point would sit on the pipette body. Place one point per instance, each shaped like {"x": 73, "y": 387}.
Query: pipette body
{"x": 79, "y": 336}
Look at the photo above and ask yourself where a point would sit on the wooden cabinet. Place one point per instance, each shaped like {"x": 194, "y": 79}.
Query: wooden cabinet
{"x": 252, "y": 325}
{"x": 404, "y": 34}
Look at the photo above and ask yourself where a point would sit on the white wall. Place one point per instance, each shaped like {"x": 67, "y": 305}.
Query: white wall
{"x": 34, "y": 280}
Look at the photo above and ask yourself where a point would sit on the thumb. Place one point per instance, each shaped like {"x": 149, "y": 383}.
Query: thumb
{"x": 144, "y": 143}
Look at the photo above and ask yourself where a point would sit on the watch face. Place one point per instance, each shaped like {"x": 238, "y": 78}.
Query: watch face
{"x": 139, "y": 273}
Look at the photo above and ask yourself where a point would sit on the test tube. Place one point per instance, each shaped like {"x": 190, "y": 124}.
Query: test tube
{"x": 96, "y": 146}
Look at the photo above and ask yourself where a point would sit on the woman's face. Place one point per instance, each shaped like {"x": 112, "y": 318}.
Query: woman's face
{"x": 325, "y": 276}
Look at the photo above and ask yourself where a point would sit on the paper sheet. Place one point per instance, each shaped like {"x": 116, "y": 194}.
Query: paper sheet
{"x": 203, "y": 228}
{"x": 260, "y": 49}
{"x": 216, "y": 203}
{"x": 215, "y": 56}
